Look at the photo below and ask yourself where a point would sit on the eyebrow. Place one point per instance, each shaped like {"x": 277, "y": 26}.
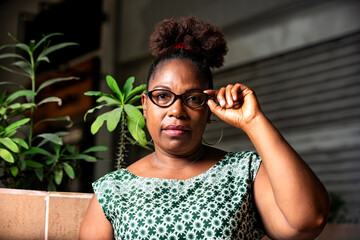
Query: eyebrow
{"x": 168, "y": 88}
{"x": 162, "y": 86}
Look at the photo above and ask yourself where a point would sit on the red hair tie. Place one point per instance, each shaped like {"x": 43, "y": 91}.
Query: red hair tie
{"x": 181, "y": 45}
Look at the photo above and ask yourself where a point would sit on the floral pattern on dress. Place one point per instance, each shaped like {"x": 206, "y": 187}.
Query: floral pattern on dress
{"x": 217, "y": 204}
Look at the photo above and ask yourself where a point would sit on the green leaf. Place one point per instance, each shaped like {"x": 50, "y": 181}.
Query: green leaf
{"x": 7, "y": 46}
{"x": 22, "y": 164}
{"x": 58, "y": 176}
{"x": 45, "y": 38}
{"x": 54, "y": 48}
{"x": 20, "y": 93}
{"x": 23, "y": 46}
{"x": 25, "y": 66}
{"x": 13, "y": 71}
{"x": 21, "y": 142}
{"x": 92, "y": 110}
{"x": 14, "y": 106}
{"x": 56, "y": 149}
{"x": 134, "y": 114}
{"x": 36, "y": 150}
{"x": 33, "y": 164}
{"x": 138, "y": 90}
{"x": 114, "y": 87}
{"x": 134, "y": 99}
{"x": 94, "y": 93}
{"x": 69, "y": 170}
{"x": 12, "y": 55}
{"x": 39, "y": 173}
{"x": 99, "y": 121}
{"x": 55, "y": 80}
{"x": 51, "y": 186}
{"x": 7, "y": 142}
{"x": 31, "y": 45}
{"x": 51, "y": 99}
{"x": 70, "y": 149}
{"x": 43, "y": 58}
{"x": 9, "y": 130}
{"x": 22, "y": 105}
{"x": 12, "y": 83}
{"x": 58, "y": 119}
{"x": 50, "y": 137}
{"x": 14, "y": 171}
{"x": 85, "y": 157}
{"x": 113, "y": 118}
{"x": 6, "y": 155}
{"x": 128, "y": 86}
{"x": 110, "y": 100}
{"x": 50, "y": 159}
{"x": 96, "y": 149}
{"x": 136, "y": 134}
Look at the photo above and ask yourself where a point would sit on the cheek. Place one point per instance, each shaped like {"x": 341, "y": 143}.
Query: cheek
{"x": 154, "y": 117}
{"x": 199, "y": 123}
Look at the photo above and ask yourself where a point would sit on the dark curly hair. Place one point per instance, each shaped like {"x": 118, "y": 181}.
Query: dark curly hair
{"x": 202, "y": 43}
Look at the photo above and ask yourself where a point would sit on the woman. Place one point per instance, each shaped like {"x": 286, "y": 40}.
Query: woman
{"x": 186, "y": 190}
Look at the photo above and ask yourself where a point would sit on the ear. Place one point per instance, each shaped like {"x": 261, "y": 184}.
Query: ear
{"x": 144, "y": 99}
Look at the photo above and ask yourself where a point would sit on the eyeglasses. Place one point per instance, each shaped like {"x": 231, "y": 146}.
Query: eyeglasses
{"x": 165, "y": 98}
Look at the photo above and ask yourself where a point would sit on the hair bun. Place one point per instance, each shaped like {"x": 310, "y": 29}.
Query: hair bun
{"x": 203, "y": 38}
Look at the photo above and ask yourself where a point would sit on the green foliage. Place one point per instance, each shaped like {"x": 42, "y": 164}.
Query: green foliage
{"x": 339, "y": 212}
{"x": 122, "y": 112}
{"x": 28, "y": 160}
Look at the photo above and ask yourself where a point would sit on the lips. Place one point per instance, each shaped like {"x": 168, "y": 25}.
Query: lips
{"x": 176, "y": 130}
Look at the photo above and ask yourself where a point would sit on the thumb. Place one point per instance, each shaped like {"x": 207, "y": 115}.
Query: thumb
{"x": 215, "y": 108}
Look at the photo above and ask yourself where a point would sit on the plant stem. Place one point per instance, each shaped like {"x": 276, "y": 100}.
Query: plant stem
{"x": 122, "y": 142}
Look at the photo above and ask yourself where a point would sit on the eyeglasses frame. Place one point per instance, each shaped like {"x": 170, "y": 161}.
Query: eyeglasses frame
{"x": 207, "y": 97}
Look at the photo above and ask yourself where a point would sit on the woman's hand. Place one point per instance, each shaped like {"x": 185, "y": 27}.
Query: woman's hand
{"x": 238, "y": 104}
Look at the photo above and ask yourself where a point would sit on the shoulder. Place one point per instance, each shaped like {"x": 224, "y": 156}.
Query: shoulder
{"x": 242, "y": 157}
{"x": 247, "y": 162}
{"x": 107, "y": 183}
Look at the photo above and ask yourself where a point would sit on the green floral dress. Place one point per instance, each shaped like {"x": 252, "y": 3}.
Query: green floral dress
{"x": 217, "y": 204}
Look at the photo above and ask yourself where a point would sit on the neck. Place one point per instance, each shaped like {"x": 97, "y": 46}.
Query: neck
{"x": 182, "y": 162}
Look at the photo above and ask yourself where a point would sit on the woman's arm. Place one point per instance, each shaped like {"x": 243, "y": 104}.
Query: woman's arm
{"x": 292, "y": 202}
{"x": 95, "y": 225}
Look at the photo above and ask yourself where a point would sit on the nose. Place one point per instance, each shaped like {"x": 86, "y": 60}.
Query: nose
{"x": 177, "y": 110}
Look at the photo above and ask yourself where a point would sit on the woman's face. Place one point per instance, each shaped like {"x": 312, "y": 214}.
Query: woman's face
{"x": 176, "y": 129}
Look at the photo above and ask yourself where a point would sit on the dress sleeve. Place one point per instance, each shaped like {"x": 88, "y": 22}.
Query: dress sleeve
{"x": 103, "y": 189}
{"x": 254, "y": 164}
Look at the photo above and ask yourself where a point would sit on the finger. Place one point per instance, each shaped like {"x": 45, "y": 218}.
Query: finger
{"x": 211, "y": 92}
{"x": 235, "y": 91}
{"x": 229, "y": 99}
{"x": 215, "y": 108}
{"x": 221, "y": 97}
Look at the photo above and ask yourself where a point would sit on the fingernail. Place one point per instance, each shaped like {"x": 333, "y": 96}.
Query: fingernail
{"x": 222, "y": 102}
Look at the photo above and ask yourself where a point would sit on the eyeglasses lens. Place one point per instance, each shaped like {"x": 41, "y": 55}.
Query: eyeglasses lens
{"x": 162, "y": 98}
{"x": 194, "y": 99}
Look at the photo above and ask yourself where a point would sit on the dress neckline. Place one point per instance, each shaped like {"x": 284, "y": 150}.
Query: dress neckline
{"x": 181, "y": 180}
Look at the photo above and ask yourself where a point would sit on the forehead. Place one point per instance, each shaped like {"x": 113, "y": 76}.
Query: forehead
{"x": 177, "y": 74}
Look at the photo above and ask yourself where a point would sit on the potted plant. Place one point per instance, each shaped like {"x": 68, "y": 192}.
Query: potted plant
{"x": 28, "y": 159}
{"x": 123, "y": 113}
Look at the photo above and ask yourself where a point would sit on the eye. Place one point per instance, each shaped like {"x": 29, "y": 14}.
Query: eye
{"x": 162, "y": 97}
{"x": 194, "y": 99}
